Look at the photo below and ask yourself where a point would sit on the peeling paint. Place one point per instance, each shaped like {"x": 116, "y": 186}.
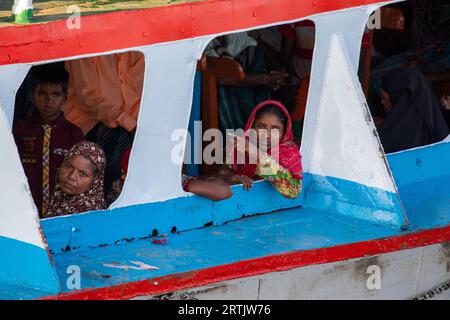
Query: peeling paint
{"x": 140, "y": 266}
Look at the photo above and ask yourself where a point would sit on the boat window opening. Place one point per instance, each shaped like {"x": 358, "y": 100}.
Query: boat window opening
{"x": 240, "y": 71}
{"x": 74, "y": 126}
{"x": 407, "y": 53}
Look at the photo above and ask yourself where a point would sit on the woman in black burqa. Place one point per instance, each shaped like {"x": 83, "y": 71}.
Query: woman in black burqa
{"x": 413, "y": 115}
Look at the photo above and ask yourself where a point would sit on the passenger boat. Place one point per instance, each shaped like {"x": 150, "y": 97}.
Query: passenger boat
{"x": 367, "y": 225}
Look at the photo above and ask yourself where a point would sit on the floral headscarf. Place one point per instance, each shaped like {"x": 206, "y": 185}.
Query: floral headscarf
{"x": 91, "y": 199}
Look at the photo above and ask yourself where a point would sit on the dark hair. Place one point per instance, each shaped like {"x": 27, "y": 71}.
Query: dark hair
{"x": 52, "y": 73}
{"x": 274, "y": 110}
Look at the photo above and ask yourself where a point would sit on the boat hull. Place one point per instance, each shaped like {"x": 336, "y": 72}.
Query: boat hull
{"x": 404, "y": 274}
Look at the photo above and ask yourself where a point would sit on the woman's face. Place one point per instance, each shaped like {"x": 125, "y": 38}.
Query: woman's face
{"x": 76, "y": 175}
{"x": 269, "y": 130}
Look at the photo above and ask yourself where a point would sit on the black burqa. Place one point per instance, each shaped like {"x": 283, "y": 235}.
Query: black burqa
{"x": 416, "y": 118}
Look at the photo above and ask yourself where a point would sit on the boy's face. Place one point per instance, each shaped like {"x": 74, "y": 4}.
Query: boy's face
{"x": 49, "y": 99}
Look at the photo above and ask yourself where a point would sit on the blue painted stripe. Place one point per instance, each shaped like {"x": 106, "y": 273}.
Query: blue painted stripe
{"x": 26, "y": 265}
{"x": 354, "y": 200}
{"x": 119, "y": 225}
{"x": 413, "y": 166}
{"x": 285, "y": 231}
{"x": 190, "y": 212}
{"x": 423, "y": 178}
{"x": 326, "y": 193}
{"x": 341, "y": 197}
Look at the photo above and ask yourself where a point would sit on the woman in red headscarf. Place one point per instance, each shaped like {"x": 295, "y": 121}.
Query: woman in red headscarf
{"x": 267, "y": 150}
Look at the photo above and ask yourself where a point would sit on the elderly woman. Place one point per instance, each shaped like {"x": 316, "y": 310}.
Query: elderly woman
{"x": 79, "y": 185}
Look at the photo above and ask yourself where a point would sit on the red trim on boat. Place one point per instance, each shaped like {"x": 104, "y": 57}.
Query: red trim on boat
{"x": 125, "y": 29}
{"x": 247, "y": 268}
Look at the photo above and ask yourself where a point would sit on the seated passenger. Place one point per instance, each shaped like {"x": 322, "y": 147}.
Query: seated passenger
{"x": 414, "y": 117}
{"x": 236, "y": 98}
{"x": 213, "y": 189}
{"x": 433, "y": 60}
{"x": 445, "y": 101}
{"x": 44, "y": 138}
{"x": 298, "y": 43}
{"x": 281, "y": 165}
{"x": 106, "y": 89}
{"x": 114, "y": 142}
{"x": 79, "y": 185}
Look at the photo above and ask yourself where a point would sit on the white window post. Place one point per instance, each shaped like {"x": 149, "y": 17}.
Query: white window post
{"x": 22, "y": 11}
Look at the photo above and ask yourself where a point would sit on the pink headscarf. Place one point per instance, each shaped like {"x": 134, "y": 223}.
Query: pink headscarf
{"x": 287, "y": 152}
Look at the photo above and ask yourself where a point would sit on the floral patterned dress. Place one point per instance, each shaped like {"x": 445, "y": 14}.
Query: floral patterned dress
{"x": 282, "y": 180}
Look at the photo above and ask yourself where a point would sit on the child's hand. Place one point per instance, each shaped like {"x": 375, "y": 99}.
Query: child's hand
{"x": 445, "y": 102}
{"x": 244, "y": 146}
{"x": 223, "y": 53}
{"x": 246, "y": 182}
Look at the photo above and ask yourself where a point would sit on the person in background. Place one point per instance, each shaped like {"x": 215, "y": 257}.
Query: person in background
{"x": 114, "y": 142}
{"x": 298, "y": 46}
{"x": 79, "y": 185}
{"x": 236, "y": 98}
{"x": 45, "y": 136}
{"x": 106, "y": 89}
{"x": 298, "y": 40}
{"x": 433, "y": 60}
{"x": 428, "y": 17}
{"x": 413, "y": 115}
{"x": 278, "y": 159}
{"x": 213, "y": 189}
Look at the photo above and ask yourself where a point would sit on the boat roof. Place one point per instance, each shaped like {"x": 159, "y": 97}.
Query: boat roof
{"x": 50, "y": 10}
{"x": 133, "y": 27}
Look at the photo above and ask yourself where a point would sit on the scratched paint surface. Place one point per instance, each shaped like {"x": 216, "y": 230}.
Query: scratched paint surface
{"x": 289, "y": 230}
{"x": 423, "y": 179}
{"x": 270, "y": 234}
{"x": 294, "y": 229}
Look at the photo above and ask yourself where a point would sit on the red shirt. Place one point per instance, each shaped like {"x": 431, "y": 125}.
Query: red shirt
{"x": 29, "y": 137}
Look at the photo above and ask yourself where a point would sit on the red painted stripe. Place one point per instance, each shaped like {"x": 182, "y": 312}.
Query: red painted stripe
{"x": 125, "y": 29}
{"x": 247, "y": 268}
